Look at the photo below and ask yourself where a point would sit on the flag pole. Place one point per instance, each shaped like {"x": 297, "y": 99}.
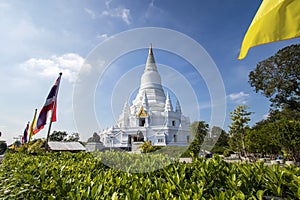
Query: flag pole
{"x": 53, "y": 106}
{"x": 32, "y": 125}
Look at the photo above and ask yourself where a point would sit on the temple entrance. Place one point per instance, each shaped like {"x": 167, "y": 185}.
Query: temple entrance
{"x": 139, "y": 137}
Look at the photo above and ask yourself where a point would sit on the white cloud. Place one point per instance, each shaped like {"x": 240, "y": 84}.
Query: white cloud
{"x": 107, "y": 3}
{"x": 126, "y": 15}
{"x": 69, "y": 64}
{"x": 154, "y": 12}
{"x": 91, "y": 13}
{"x": 151, "y": 3}
{"x": 119, "y": 12}
{"x": 240, "y": 98}
{"x": 102, "y": 36}
{"x": 122, "y": 13}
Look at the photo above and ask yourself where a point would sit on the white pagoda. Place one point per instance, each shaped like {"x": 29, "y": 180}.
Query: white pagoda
{"x": 150, "y": 117}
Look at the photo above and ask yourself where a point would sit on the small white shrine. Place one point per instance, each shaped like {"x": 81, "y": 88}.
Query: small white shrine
{"x": 150, "y": 117}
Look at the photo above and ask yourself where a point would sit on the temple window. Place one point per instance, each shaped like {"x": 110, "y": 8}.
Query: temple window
{"x": 142, "y": 121}
{"x": 175, "y": 138}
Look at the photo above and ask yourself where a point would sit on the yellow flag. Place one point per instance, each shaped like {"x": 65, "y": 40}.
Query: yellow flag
{"x": 275, "y": 20}
{"x": 32, "y": 125}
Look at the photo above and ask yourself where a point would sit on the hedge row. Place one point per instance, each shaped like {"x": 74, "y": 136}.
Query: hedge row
{"x": 85, "y": 176}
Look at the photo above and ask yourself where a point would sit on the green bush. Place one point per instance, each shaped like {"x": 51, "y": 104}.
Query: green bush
{"x": 85, "y": 176}
{"x": 147, "y": 147}
{"x": 226, "y": 153}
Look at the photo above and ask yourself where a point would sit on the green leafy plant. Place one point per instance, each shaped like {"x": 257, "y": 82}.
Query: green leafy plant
{"x": 86, "y": 176}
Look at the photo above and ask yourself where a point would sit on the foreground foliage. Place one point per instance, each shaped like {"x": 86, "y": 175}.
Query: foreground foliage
{"x": 84, "y": 176}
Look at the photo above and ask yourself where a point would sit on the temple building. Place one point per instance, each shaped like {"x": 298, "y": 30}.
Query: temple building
{"x": 150, "y": 117}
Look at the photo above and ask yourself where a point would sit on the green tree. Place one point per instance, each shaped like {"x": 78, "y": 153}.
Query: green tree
{"x": 240, "y": 119}
{"x": 278, "y": 78}
{"x": 17, "y": 143}
{"x": 74, "y": 137}
{"x": 261, "y": 139}
{"x": 288, "y": 137}
{"x": 199, "y": 129}
{"x": 284, "y": 113}
{"x": 94, "y": 138}
{"x": 276, "y": 134}
{"x": 63, "y": 136}
{"x": 3, "y": 147}
{"x": 58, "y": 136}
{"x": 222, "y": 140}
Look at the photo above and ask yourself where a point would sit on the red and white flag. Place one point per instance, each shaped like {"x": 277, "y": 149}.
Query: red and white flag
{"x": 48, "y": 108}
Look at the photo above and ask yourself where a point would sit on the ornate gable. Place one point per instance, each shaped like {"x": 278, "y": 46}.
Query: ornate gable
{"x": 142, "y": 113}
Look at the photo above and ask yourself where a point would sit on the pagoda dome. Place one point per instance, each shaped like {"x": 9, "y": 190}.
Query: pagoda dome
{"x": 150, "y": 79}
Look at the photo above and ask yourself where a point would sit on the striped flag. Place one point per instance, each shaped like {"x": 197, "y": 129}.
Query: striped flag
{"x": 49, "y": 108}
{"x": 25, "y": 134}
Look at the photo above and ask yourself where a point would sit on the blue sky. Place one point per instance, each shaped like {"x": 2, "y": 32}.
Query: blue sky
{"x": 41, "y": 38}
